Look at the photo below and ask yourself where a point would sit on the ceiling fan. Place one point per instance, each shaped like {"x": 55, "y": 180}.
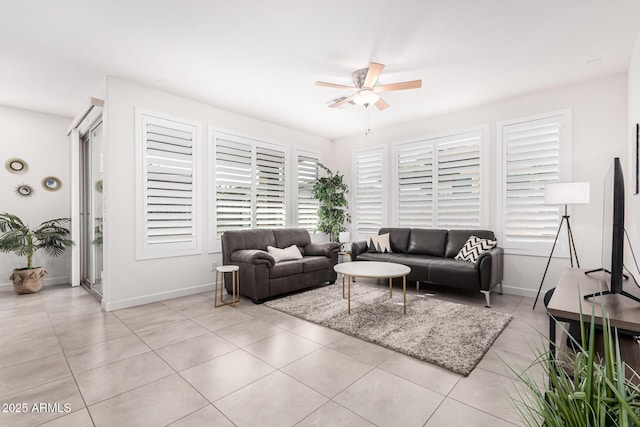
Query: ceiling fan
{"x": 364, "y": 81}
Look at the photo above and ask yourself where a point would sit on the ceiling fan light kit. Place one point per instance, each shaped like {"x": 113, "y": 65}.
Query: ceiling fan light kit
{"x": 364, "y": 81}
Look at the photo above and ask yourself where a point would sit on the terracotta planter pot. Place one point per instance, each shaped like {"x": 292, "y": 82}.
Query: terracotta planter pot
{"x": 28, "y": 281}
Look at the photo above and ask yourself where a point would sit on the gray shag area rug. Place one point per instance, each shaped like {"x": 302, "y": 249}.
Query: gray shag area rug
{"x": 453, "y": 336}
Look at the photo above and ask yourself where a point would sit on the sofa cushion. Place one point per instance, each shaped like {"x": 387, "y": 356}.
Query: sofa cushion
{"x": 457, "y": 238}
{"x": 447, "y": 271}
{"x": 286, "y": 237}
{"x": 379, "y": 244}
{"x": 398, "y": 237}
{"x": 315, "y": 263}
{"x": 427, "y": 242}
{"x": 285, "y": 268}
{"x": 235, "y": 240}
{"x": 369, "y": 256}
{"x": 473, "y": 248}
{"x": 286, "y": 254}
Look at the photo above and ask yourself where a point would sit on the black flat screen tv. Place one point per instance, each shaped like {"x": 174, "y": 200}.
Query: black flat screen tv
{"x": 613, "y": 232}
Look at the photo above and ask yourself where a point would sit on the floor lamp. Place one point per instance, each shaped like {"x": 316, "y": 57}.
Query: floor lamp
{"x": 564, "y": 193}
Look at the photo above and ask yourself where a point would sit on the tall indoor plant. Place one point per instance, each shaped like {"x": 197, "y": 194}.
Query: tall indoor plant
{"x": 331, "y": 192}
{"x": 51, "y": 236}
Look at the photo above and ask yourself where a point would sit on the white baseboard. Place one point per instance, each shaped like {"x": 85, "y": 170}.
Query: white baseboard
{"x": 160, "y": 296}
{"x": 48, "y": 281}
{"x": 523, "y": 292}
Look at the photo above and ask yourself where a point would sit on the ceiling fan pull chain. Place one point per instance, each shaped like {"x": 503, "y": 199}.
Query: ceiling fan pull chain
{"x": 366, "y": 120}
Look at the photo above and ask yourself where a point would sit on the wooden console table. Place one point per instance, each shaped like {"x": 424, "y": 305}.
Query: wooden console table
{"x": 623, "y": 312}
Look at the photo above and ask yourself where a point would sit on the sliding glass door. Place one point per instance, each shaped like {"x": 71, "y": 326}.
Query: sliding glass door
{"x": 91, "y": 207}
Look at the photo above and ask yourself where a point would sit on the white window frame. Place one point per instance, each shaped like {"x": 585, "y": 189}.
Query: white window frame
{"x": 143, "y": 249}
{"x": 542, "y": 249}
{"x": 433, "y": 140}
{"x": 307, "y": 153}
{"x": 382, "y": 149}
{"x": 214, "y": 243}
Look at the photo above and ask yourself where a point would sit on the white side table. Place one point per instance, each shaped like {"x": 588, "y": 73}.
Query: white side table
{"x": 235, "y": 285}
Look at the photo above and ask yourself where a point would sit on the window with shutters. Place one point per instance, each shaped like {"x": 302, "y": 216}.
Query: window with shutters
{"x": 368, "y": 183}
{"x": 249, "y": 181}
{"x": 307, "y": 205}
{"x": 440, "y": 181}
{"x": 167, "y": 209}
{"x": 533, "y": 151}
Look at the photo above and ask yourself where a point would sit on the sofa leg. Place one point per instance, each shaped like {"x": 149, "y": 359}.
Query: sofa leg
{"x": 417, "y": 285}
{"x": 487, "y": 296}
{"x": 331, "y": 282}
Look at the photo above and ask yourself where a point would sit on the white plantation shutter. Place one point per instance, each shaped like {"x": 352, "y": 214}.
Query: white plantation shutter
{"x": 270, "y": 188}
{"x": 369, "y": 191}
{"x": 459, "y": 184}
{"x": 439, "y": 182}
{"x": 233, "y": 185}
{"x": 307, "y": 205}
{"x": 415, "y": 185}
{"x": 167, "y": 208}
{"x": 250, "y": 182}
{"x": 532, "y": 155}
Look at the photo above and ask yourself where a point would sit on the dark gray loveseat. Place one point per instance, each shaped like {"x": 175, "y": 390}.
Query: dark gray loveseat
{"x": 261, "y": 277}
{"x": 430, "y": 254}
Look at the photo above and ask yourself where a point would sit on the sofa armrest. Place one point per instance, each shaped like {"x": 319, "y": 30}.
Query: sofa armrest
{"x": 490, "y": 265}
{"x": 253, "y": 256}
{"x": 358, "y": 248}
{"x": 321, "y": 249}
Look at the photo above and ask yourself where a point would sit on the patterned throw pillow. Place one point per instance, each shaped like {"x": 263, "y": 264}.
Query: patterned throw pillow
{"x": 474, "y": 247}
{"x": 380, "y": 244}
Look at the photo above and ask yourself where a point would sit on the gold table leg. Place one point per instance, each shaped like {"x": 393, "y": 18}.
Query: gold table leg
{"x": 404, "y": 292}
{"x": 343, "y": 286}
{"x": 349, "y": 295}
{"x": 390, "y": 288}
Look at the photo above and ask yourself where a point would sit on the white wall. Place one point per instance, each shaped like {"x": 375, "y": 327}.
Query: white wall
{"x": 633, "y": 201}
{"x": 599, "y": 111}
{"x": 129, "y": 282}
{"x": 40, "y": 140}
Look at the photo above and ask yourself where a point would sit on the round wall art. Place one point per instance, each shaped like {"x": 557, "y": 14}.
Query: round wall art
{"x": 51, "y": 183}
{"x": 24, "y": 190}
{"x": 16, "y": 165}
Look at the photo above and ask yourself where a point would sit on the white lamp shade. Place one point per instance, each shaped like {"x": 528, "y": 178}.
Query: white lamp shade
{"x": 566, "y": 193}
{"x": 344, "y": 237}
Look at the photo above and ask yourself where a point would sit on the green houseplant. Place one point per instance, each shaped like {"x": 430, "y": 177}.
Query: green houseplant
{"x": 331, "y": 192}
{"x": 586, "y": 389}
{"x": 51, "y": 236}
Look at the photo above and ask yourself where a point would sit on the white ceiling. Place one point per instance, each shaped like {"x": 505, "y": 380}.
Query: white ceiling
{"x": 260, "y": 58}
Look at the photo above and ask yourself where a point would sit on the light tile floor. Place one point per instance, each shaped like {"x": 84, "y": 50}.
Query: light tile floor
{"x": 183, "y": 363}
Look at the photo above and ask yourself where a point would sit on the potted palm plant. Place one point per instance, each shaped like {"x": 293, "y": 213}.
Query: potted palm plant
{"x": 51, "y": 236}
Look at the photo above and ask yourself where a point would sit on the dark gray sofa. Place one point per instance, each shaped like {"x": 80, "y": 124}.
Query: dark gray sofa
{"x": 430, "y": 254}
{"x": 261, "y": 277}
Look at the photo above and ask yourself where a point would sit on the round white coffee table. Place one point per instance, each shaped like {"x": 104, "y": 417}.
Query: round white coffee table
{"x": 373, "y": 269}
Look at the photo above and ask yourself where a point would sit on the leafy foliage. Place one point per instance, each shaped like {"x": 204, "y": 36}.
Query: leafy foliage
{"x": 51, "y": 236}
{"x": 331, "y": 192}
{"x": 586, "y": 389}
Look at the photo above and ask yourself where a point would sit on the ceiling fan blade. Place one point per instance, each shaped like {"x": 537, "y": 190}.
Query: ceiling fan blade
{"x": 413, "y": 84}
{"x": 334, "y": 85}
{"x": 381, "y": 104}
{"x": 372, "y": 75}
{"x": 344, "y": 101}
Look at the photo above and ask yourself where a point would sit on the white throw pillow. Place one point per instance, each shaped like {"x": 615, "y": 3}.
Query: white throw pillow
{"x": 380, "y": 244}
{"x": 474, "y": 247}
{"x": 287, "y": 254}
